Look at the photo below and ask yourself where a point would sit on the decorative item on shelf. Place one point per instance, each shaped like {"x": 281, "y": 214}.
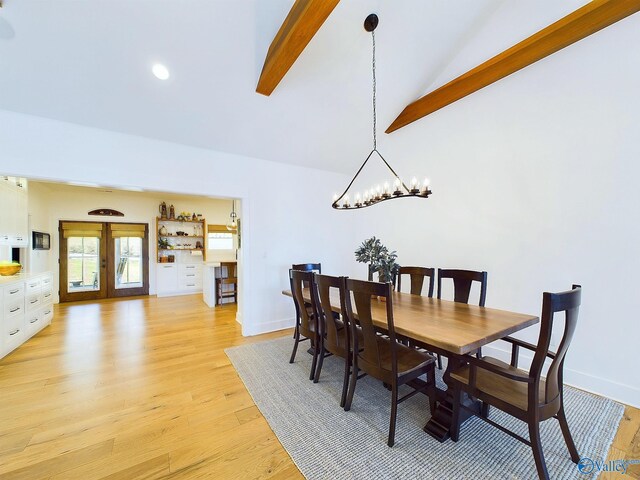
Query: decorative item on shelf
{"x": 199, "y": 217}
{"x": 171, "y": 258}
{"x": 381, "y": 192}
{"x": 163, "y": 231}
{"x": 180, "y": 218}
{"x": 194, "y": 217}
{"x": 9, "y": 268}
{"x": 232, "y": 224}
{"x": 163, "y": 243}
{"x": 163, "y": 210}
{"x": 198, "y": 244}
{"x": 172, "y": 213}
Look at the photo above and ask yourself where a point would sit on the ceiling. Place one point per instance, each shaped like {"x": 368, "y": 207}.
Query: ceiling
{"x": 89, "y": 62}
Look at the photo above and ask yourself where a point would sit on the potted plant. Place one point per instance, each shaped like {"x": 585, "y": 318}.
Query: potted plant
{"x": 387, "y": 267}
{"x": 369, "y": 252}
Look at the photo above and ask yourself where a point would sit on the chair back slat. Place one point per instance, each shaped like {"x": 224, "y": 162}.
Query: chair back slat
{"x": 417, "y": 276}
{"x": 307, "y": 267}
{"x": 552, "y": 303}
{"x": 307, "y": 316}
{"x": 337, "y": 336}
{"x": 362, "y": 293}
{"x": 462, "y": 280}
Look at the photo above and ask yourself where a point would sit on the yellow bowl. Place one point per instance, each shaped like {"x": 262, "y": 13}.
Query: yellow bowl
{"x": 11, "y": 269}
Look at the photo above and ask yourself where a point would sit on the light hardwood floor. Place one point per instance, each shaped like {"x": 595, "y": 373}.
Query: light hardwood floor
{"x": 142, "y": 389}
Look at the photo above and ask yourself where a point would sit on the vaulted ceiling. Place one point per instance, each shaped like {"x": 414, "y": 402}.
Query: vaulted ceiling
{"x": 90, "y": 63}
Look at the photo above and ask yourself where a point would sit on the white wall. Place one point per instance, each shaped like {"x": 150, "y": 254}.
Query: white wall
{"x": 535, "y": 180}
{"x": 286, "y": 214}
{"x": 39, "y": 220}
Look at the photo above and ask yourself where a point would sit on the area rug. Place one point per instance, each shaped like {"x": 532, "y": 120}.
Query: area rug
{"x": 325, "y": 442}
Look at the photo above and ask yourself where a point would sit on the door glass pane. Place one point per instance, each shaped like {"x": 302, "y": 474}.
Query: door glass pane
{"x": 83, "y": 264}
{"x": 128, "y": 260}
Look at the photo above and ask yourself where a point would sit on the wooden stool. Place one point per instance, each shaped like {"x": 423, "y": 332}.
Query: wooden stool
{"x": 220, "y": 293}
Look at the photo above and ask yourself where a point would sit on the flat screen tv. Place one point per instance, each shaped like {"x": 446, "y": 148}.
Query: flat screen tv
{"x": 41, "y": 241}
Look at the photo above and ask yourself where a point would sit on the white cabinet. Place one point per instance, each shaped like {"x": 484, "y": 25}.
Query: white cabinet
{"x": 167, "y": 279}
{"x": 26, "y": 307}
{"x": 178, "y": 279}
{"x": 14, "y": 220}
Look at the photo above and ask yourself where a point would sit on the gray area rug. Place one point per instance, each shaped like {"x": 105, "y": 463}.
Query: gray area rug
{"x": 325, "y": 442}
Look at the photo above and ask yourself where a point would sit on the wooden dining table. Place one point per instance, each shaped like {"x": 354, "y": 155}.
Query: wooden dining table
{"x": 451, "y": 329}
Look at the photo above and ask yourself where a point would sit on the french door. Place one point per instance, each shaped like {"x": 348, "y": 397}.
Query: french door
{"x": 103, "y": 260}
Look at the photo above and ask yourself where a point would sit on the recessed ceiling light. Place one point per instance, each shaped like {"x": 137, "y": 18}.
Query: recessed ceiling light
{"x": 160, "y": 71}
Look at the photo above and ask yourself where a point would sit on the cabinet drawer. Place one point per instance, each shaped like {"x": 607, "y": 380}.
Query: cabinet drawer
{"x": 13, "y": 329}
{"x": 33, "y": 320}
{"x": 47, "y": 296}
{"x": 33, "y": 286}
{"x": 47, "y": 314}
{"x": 190, "y": 283}
{"x": 190, "y": 269}
{"x": 13, "y": 308}
{"x": 32, "y": 302}
{"x": 47, "y": 281}
{"x": 12, "y": 292}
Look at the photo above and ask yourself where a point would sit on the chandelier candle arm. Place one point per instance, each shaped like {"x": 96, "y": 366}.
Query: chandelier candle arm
{"x": 378, "y": 193}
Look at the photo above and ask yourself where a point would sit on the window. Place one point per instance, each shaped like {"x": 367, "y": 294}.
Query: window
{"x": 128, "y": 262}
{"x": 220, "y": 241}
{"x": 82, "y": 263}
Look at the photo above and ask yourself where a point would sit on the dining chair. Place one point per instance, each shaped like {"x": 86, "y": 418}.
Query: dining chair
{"x": 462, "y": 280}
{"x": 383, "y": 358}
{"x": 417, "y": 276}
{"x": 306, "y": 318}
{"x": 334, "y": 334}
{"x": 527, "y": 396}
{"x": 307, "y": 267}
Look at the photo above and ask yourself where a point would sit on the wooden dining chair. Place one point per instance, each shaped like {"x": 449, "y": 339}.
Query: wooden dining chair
{"x": 525, "y": 395}
{"x": 307, "y": 267}
{"x": 462, "y": 280}
{"x": 383, "y": 358}
{"x": 333, "y": 330}
{"x": 306, "y": 318}
{"x": 417, "y": 276}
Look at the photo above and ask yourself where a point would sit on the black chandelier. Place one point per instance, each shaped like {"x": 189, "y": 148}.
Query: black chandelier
{"x": 386, "y": 191}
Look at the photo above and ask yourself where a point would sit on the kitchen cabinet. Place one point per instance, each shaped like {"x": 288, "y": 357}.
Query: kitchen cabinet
{"x": 26, "y": 307}
{"x": 14, "y": 220}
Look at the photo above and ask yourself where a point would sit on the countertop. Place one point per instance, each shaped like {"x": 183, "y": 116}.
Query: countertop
{"x": 20, "y": 277}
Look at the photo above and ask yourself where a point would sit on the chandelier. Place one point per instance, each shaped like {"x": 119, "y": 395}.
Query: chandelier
{"x": 388, "y": 190}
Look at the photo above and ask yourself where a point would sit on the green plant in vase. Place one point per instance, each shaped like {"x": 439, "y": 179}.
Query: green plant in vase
{"x": 370, "y": 252}
{"x": 387, "y": 267}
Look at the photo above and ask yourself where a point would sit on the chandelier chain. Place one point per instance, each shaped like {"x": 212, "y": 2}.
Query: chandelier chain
{"x": 373, "y": 68}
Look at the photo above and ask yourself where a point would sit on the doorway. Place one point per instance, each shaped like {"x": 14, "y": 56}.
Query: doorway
{"x": 103, "y": 260}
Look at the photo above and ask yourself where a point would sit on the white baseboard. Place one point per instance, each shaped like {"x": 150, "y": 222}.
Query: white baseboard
{"x": 250, "y": 330}
{"x": 584, "y": 381}
{"x": 239, "y": 317}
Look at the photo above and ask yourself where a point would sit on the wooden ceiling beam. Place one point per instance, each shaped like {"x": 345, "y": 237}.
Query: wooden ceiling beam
{"x": 303, "y": 21}
{"x": 590, "y": 18}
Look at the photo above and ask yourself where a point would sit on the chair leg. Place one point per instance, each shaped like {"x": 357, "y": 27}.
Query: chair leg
{"x": 564, "y": 426}
{"x": 320, "y": 360}
{"x": 484, "y": 410}
{"x": 314, "y": 361}
{"x": 454, "y": 429}
{"x": 296, "y": 336}
{"x": 394, "y": 414}
{"x": 352, "y": 385}
{"x": 439, "y": 362}
{"x": 536, "y": 445}
{"x": 345, "y": 381}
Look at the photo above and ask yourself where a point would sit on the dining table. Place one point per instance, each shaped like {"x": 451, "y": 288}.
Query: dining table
{"x": 451, "y": 329}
